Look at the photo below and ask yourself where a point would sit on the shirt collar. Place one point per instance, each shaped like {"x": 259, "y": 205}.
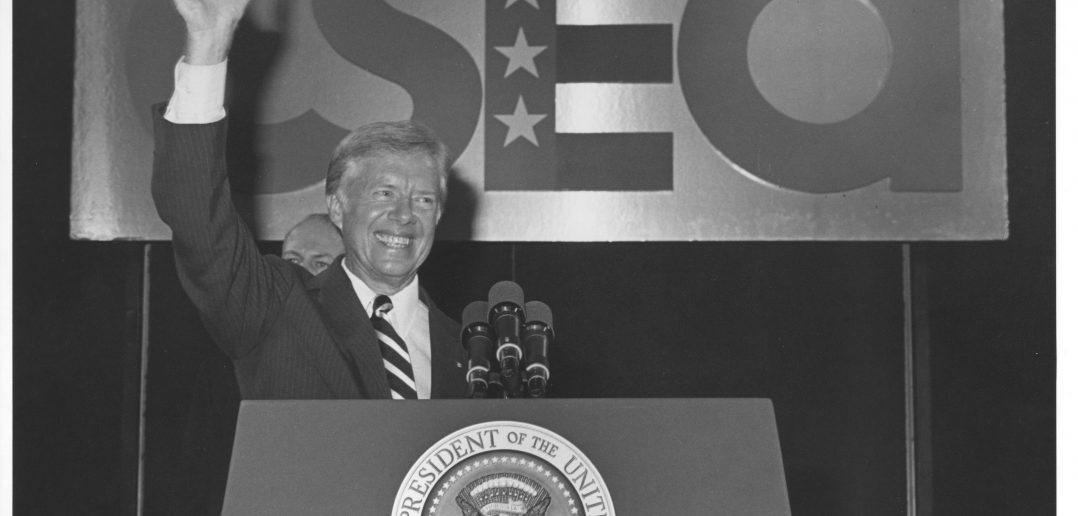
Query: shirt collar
{"x": 405, "y": 302}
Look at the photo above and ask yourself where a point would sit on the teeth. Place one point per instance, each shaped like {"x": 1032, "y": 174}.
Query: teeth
{"x": 396, "y": 242}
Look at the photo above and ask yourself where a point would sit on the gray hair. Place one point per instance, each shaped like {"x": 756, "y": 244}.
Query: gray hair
{"x": 381, "y": 138}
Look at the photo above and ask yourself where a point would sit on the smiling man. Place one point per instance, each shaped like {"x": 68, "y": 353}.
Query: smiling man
{"x": 386, "y": 195}
{"x": 362, "y": 328}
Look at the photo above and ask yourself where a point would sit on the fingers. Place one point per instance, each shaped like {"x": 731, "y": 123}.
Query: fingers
{"x": 208, "y": 15}
{"x": 211, "y": 25}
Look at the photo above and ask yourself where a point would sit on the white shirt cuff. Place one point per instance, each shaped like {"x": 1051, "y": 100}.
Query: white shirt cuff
{"x": 199, "y": 94}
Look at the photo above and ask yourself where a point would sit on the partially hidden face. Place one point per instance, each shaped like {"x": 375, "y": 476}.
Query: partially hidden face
{"x": 387, "y": 207}
{"x": 313, "y": 244}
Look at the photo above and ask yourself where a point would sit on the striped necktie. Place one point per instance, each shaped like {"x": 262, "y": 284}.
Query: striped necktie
{"x": 394, "y": 352}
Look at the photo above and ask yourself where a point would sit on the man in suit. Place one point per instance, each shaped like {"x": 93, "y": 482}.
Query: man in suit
{"x": 200, "y": 474}
{"x": 361, "y": 329}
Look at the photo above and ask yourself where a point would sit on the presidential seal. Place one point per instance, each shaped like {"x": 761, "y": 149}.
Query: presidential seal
{"x": 503, "y": 468}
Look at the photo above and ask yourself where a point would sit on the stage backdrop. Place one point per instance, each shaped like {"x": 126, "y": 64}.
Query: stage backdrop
{"x": 583, "y": 120}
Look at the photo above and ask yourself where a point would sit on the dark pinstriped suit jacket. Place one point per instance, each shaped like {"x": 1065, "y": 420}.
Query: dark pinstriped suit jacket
{"x": 290, "y": 335}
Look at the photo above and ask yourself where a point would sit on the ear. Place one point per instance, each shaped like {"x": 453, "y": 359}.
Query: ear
{"x": 336, "y": 210}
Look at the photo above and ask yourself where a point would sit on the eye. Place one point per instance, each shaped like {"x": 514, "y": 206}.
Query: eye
{"x": 382, "y": 193}
{"x": 320, "y": 266}
{"x": 426, "y": 200}
{"x": 294, "y": 260}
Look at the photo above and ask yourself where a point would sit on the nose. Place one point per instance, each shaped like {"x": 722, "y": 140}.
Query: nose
{"x": 402, "y": 210}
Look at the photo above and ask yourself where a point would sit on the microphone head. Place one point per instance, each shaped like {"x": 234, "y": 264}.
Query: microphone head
{"x": 506, "y": 291}
{"x": 476, "y": 311}
{"x": 538, "y": 311}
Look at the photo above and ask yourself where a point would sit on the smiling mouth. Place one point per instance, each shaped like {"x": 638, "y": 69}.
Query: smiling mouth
{"x": 393, "y": 241}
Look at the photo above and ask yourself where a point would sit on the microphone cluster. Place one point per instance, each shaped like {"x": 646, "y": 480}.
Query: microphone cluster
{"x": 507, "y": 342}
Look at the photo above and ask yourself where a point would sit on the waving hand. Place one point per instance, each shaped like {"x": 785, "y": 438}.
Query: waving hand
{"x": 211, "y": 25}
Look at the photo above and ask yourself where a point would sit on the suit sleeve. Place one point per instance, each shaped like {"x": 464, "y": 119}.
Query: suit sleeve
{"x": 236, "y": 289}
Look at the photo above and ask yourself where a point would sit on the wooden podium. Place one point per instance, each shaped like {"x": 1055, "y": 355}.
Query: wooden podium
{"x": 655, "y": 456}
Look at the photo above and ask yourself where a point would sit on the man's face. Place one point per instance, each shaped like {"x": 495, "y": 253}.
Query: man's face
{"x": 313, "y": 244}
{"x": 387, "y": 207}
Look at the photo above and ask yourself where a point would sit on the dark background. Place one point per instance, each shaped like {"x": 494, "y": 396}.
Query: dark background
{"x": 816, "y": 327}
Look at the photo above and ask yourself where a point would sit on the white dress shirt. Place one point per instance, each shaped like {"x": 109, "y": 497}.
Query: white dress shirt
{"x": 198, "y": 96}
{"x": 411, "y": 319}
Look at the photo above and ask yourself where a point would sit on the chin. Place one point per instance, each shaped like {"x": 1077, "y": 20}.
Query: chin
{"x": 400, "y": 272}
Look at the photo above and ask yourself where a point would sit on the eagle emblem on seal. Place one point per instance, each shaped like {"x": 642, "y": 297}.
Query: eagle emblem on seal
{"x": 503, "y": 494}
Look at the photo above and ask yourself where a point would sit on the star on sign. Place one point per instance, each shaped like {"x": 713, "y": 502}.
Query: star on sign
{"x": 521, "y": 56}
{"x": 521, "y": 124}
{"x": 533, "y": 3}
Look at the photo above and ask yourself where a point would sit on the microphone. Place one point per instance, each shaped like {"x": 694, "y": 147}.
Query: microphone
{"x": 506, "y": 317}
{"x": 478, "y": 340}
{"x": 538, "y": 335}
{"x": 496, "y": 390}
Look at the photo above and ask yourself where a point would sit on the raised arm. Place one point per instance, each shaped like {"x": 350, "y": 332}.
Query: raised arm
{"x": 235, "y": 288}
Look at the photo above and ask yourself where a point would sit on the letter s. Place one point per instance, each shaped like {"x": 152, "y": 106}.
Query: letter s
{"x": 439, "y": 74}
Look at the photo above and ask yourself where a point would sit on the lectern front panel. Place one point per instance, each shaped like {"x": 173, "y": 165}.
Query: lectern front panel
{"x": 655, "y": 456}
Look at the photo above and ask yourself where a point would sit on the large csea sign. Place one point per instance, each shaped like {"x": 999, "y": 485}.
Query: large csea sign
{"x": 583, "y": 120}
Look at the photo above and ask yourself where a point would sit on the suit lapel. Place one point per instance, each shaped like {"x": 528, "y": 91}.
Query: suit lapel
{"x": 351, "y": 329}
{"x": 446, "y": 355}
